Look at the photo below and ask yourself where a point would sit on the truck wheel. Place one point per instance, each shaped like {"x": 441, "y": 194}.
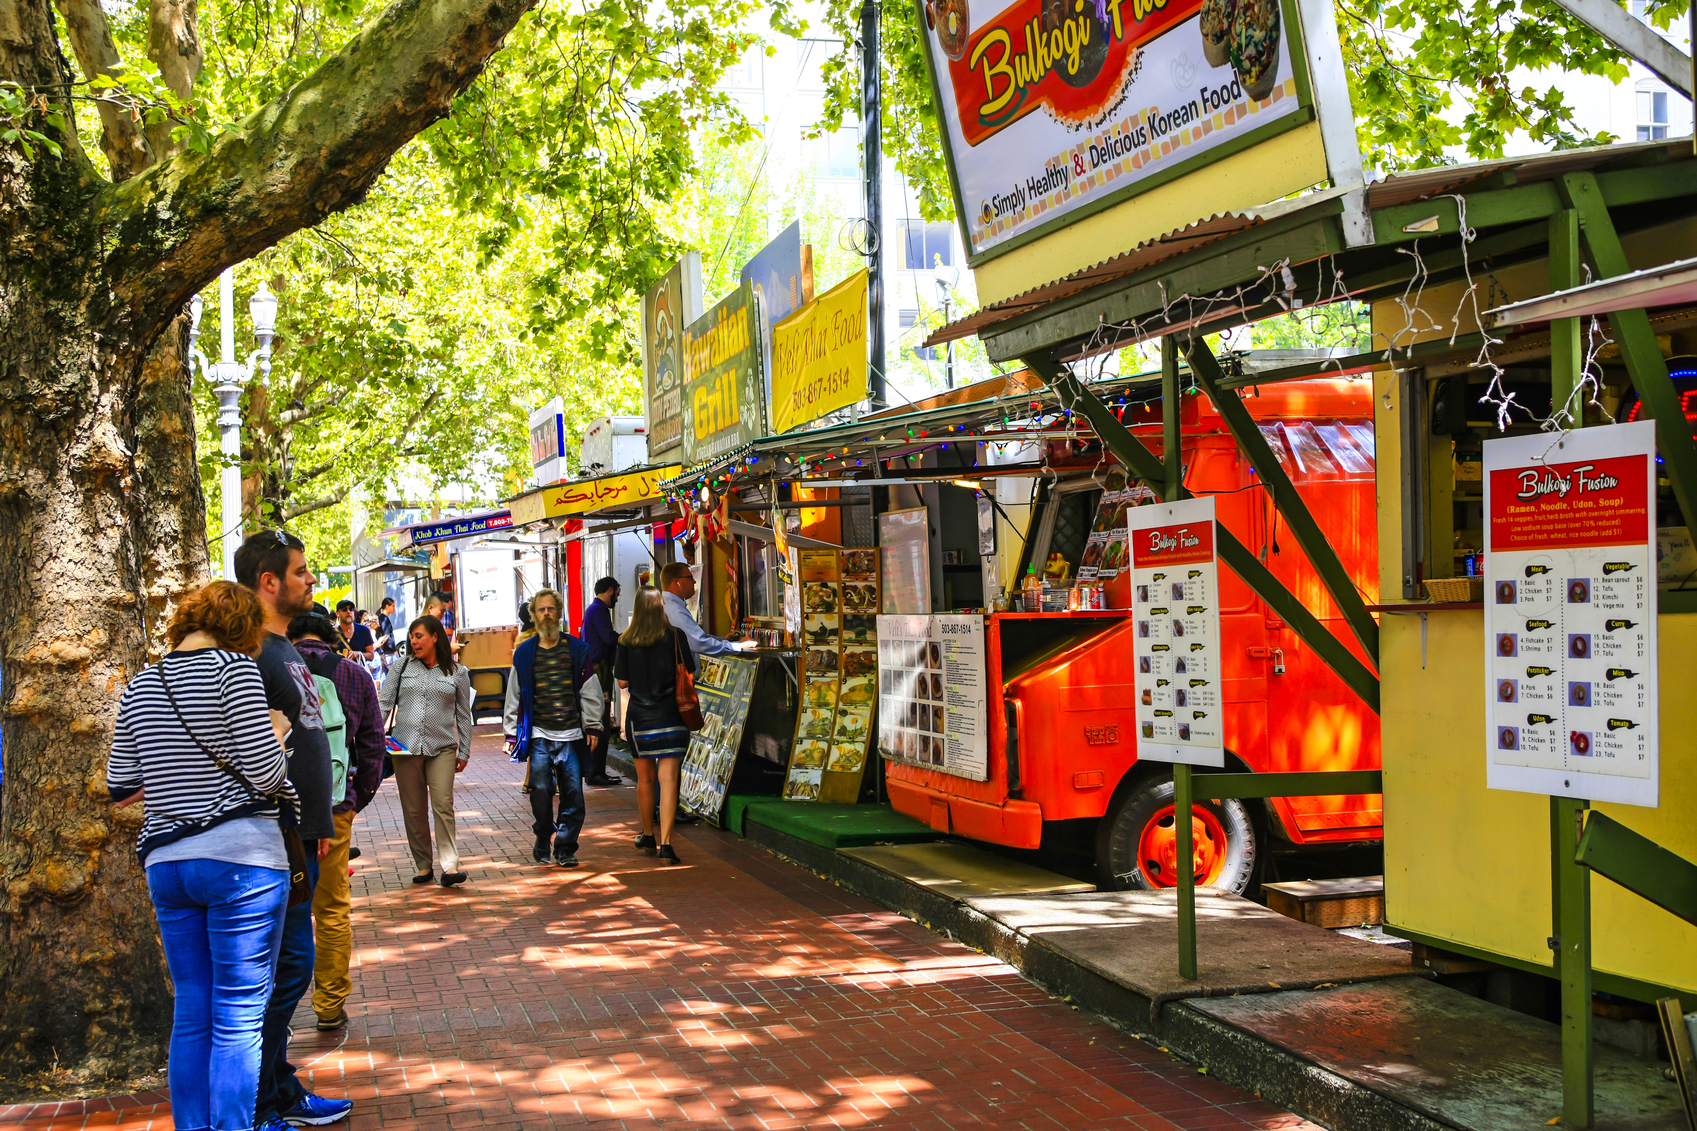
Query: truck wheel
{"x": 1137, "y": 844}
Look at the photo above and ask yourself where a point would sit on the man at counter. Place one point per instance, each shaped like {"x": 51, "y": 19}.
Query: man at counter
{"x": 678, "y": 584}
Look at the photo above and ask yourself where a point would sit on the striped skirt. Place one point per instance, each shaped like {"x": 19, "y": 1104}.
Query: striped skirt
{"x": 660, "y": 742}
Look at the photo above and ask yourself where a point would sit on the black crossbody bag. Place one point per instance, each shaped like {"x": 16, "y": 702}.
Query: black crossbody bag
{"x": 300, "y": 891}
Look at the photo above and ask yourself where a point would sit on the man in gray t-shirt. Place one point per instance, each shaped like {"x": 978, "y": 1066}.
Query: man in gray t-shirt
{"x": 273, "y": 565}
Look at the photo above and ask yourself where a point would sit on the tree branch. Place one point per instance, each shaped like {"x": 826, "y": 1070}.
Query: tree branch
{"x": 329, "y": 500}
{"x": 173, "y": 43}
{"x": 122, "y": 139}
{"x": 314, "y": 151}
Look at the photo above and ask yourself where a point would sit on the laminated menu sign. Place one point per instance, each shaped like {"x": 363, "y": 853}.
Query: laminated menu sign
{"x": 723, "y": 685}
{"x": 1175, "y": 585}
{"x": 1570, "y": 614}
{"x": 1105, "y": 549}
{"x": 931, "y": 703}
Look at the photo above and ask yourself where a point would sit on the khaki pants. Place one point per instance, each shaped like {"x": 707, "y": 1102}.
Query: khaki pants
{"x": 332, "y": 933}
{"x": 415, "y": 775}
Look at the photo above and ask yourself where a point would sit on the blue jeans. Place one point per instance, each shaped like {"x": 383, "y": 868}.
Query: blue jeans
{"x": 221, "y": 925}
{"x": 563, "y": 779}
{"x": 278, "y": 1089}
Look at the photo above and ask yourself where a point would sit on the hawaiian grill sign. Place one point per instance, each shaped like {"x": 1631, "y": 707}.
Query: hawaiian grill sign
{"x": 724, "y": 398}
{"x": 1049, "y": 107}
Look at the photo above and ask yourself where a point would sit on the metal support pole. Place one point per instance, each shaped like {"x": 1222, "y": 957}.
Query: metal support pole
{"x": 1570, "y": 894}
{"x": 872, "y": 160}
{"x": 1566, "y": 355}
{"x": 1182, "y": 802}
{"x": 1171, "y": 456}
{"x": 229, "y": 390}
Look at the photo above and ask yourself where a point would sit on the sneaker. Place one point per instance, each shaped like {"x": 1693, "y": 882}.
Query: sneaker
{"x": 563, "y": 858}
{"x": 331, "y": 1024}
{"x": 272, "y": 1124}
{"x": 316, "y": 1111}
{"x": 540, "y": 852}
{"x": 646, "y": 843}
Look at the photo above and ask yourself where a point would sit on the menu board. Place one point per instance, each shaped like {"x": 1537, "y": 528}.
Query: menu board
{"x": 904, "y": 539}
{"x": 1105, "y": 550}
{"x": 839, "y": 600}
{"x": 1570, "y": 614}
{"x": 723, "y": 684}
{"x": 1175, "y": 603}
{"x": 932, "y": 707}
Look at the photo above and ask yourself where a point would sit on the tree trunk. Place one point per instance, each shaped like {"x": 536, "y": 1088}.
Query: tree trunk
{"x": 102, "y": 520}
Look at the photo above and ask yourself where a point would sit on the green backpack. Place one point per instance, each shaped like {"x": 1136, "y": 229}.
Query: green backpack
{"x": 336, "y": 730}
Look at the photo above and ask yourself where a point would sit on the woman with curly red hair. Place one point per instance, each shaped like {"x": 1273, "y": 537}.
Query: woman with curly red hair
{"x": 194, "y": 736}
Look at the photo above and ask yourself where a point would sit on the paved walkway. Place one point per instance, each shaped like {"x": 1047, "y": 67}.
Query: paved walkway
{"x": 735, "y": 992}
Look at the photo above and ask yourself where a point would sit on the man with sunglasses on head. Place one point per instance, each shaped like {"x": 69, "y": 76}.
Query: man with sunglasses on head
{"x": 273, "y": 565}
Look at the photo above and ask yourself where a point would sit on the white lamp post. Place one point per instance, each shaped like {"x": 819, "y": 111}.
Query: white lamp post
{"x": 228, "y": 377}
{"x": 945, "y": 279}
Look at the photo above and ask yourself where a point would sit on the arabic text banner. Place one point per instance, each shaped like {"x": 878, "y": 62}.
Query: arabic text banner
{"x": 819, "y": 356}
{"x": 584, "y": 495}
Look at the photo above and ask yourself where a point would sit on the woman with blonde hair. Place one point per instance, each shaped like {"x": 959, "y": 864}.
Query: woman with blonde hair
{"x": 647, "y": 666}
{"x": 195, "y": 739}
{"x": 431, "y": 697}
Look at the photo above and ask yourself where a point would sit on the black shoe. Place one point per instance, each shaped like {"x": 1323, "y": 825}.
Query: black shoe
{"x": 449, "y": 879}
{"x": 353, "y": 853}
{"x": 646, "y": 843}
{"x": 604, "y": 780}
{"x": 684, "y": 818}
{"x": 540, "y": 852}
{"x": 424, "y": 877}
{"x": 563, "y": 858}
{"x": 668, "y": 855}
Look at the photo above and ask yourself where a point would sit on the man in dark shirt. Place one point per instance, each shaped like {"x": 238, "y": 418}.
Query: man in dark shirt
{"x": 553, "y": 713}
{"x": 273, "y": 565}
{"x": 315, "y": 639}
{"x": 603, "y": 644}
{"x": 355, "y": 636}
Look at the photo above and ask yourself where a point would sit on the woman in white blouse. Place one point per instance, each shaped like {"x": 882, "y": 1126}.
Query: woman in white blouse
{"x": 431, "y": 697}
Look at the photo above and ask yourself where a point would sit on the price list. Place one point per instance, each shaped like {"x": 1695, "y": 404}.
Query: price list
{"x": 1570, "y": 614}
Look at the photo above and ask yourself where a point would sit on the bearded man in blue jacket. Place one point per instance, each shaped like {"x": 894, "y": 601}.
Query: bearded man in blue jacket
{"x": 554, "y": 712}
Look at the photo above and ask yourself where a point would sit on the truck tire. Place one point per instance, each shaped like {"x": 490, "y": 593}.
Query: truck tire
{"x": 1136, "y": 843}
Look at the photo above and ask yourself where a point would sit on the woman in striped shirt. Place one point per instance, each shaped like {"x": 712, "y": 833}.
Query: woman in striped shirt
{"x": 431, "y": 697}
{"x": 211, "y": 843}
{"x": 647, "y": 665}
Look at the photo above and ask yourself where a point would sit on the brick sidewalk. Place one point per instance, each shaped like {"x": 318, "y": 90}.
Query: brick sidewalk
{"x": 735, "y": 992}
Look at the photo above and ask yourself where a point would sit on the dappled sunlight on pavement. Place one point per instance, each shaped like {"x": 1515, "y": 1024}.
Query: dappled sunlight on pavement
{"x": 737, "y": 991}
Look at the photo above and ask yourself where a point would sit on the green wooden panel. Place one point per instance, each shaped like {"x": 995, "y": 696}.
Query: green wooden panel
{"x": 1639, "y": 865}
{"x": 1321, "y": 783}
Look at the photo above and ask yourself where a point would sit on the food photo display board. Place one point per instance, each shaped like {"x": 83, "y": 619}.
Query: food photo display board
{"x": 723, "y": 685}
{"x": 839, "y": 600}
{"x": 1106, "y": 551}
{"x": 1175, "y": 605}
{"x": 1570, "y": 614}
{"x": 932, "y": 701}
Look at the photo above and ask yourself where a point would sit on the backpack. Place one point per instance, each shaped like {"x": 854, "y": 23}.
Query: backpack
{"x": 335, "y": 728}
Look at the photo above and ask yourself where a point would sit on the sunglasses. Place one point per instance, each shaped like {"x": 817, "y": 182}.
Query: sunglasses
{"x": 286, "y": 540}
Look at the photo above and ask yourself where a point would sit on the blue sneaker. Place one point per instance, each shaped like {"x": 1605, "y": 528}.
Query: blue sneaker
{"x": 272, "y": 1124}
{"x": 316, "y": 1111}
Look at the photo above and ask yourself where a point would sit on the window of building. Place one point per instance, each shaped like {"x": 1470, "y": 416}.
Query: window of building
{"x": 747, "y": 72}
{"x": 925, "y": 247}
{"x": 1652, "y": 112}
{"x": 838, "y": 154}
{"x": 915, "y": 331}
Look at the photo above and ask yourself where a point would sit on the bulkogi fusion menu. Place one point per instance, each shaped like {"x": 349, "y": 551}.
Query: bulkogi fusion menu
{"x": 1175, "y": 585}
{"x": 1570, "y": 614}
{"x": 931, "y": 706}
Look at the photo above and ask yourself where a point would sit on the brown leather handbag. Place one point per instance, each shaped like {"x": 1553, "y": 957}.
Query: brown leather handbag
{"x": 689, "y": 704}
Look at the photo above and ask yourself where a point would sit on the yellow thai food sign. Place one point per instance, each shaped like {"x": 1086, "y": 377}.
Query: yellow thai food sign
{"x": 819, "y": 356}
{"x": 585, "y": 495}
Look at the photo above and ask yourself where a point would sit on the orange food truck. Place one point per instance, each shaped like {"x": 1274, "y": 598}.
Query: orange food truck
{"x": 1060, "y": 737}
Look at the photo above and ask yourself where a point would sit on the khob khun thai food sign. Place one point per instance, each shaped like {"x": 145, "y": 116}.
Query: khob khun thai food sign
{"x": 1051, "y": 106}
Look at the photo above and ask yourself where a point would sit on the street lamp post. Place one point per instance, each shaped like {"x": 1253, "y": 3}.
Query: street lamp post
{"x": 945, "y": 278}
{"x": 228, "y": 377}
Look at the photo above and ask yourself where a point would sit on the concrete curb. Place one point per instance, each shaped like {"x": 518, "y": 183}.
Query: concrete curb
{"x": 1228, "y": 1053}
